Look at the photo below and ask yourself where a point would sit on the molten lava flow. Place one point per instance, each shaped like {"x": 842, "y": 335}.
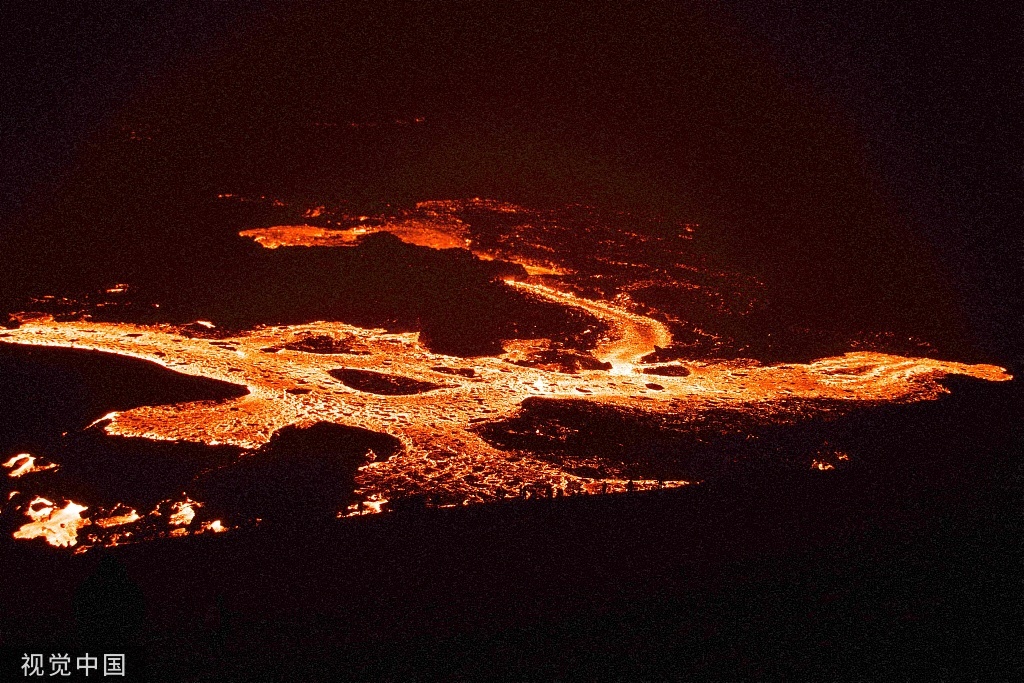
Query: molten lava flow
{"x": 441, "y": 448}
{"x": 301, "y": 236}
{"x": 58, "y": 526}
{"x": 433, "y": 403}
{"x": 23, "y": 463}
{"x": 432, "y": 225}
{"x": 118, "y": 520}
{"x": 183, "y": 513}
{"x": 420, "y": 233}
{"x": 214, "y": 527}
{"x": 631, "y": 336}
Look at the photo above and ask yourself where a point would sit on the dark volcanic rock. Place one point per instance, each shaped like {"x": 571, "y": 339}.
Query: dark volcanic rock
{"x": 104, "y": 470}
{"x": 381, "y": 383}
{"x": 456, "y": 301}
{"x": 668, "y": 371}
{"x": 323, "y": 343}
{"x": 595, "y": 440}
{"x": 299, "y": 475}
{"x": 46, "y": 391}
{"x": 563, "y": 360}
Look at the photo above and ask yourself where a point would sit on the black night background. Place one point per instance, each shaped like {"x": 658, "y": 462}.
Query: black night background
{"x": 828, "y": 178}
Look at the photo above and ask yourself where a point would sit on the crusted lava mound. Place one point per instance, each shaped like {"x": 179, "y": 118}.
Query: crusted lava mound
{"x": 668, "y": 371}
{"x": 326, "y": 344}
{"x": 381, "y": 383}
{"x": 563, "y": 360}
{"x": 301, "y": 474}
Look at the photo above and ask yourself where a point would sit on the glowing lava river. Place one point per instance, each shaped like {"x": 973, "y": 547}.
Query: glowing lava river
{"x": 438, "y": 406}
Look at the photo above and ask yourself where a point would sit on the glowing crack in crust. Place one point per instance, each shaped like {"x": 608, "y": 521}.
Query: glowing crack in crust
{"x": 442, "y": 454}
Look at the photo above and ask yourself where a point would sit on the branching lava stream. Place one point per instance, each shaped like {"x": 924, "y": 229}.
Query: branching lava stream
{"x": 440, "y": 400}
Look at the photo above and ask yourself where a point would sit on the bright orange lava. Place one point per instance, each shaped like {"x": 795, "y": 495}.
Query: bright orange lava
{"x": 58, "y": 526}
{"x": 23, "y": 463}
{"x": 435, "y": 427}
{"x": 434, "y": 226}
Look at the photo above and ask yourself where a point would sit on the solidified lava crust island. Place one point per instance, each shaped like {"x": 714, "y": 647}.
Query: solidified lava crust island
{"x": 438, "y": 407}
